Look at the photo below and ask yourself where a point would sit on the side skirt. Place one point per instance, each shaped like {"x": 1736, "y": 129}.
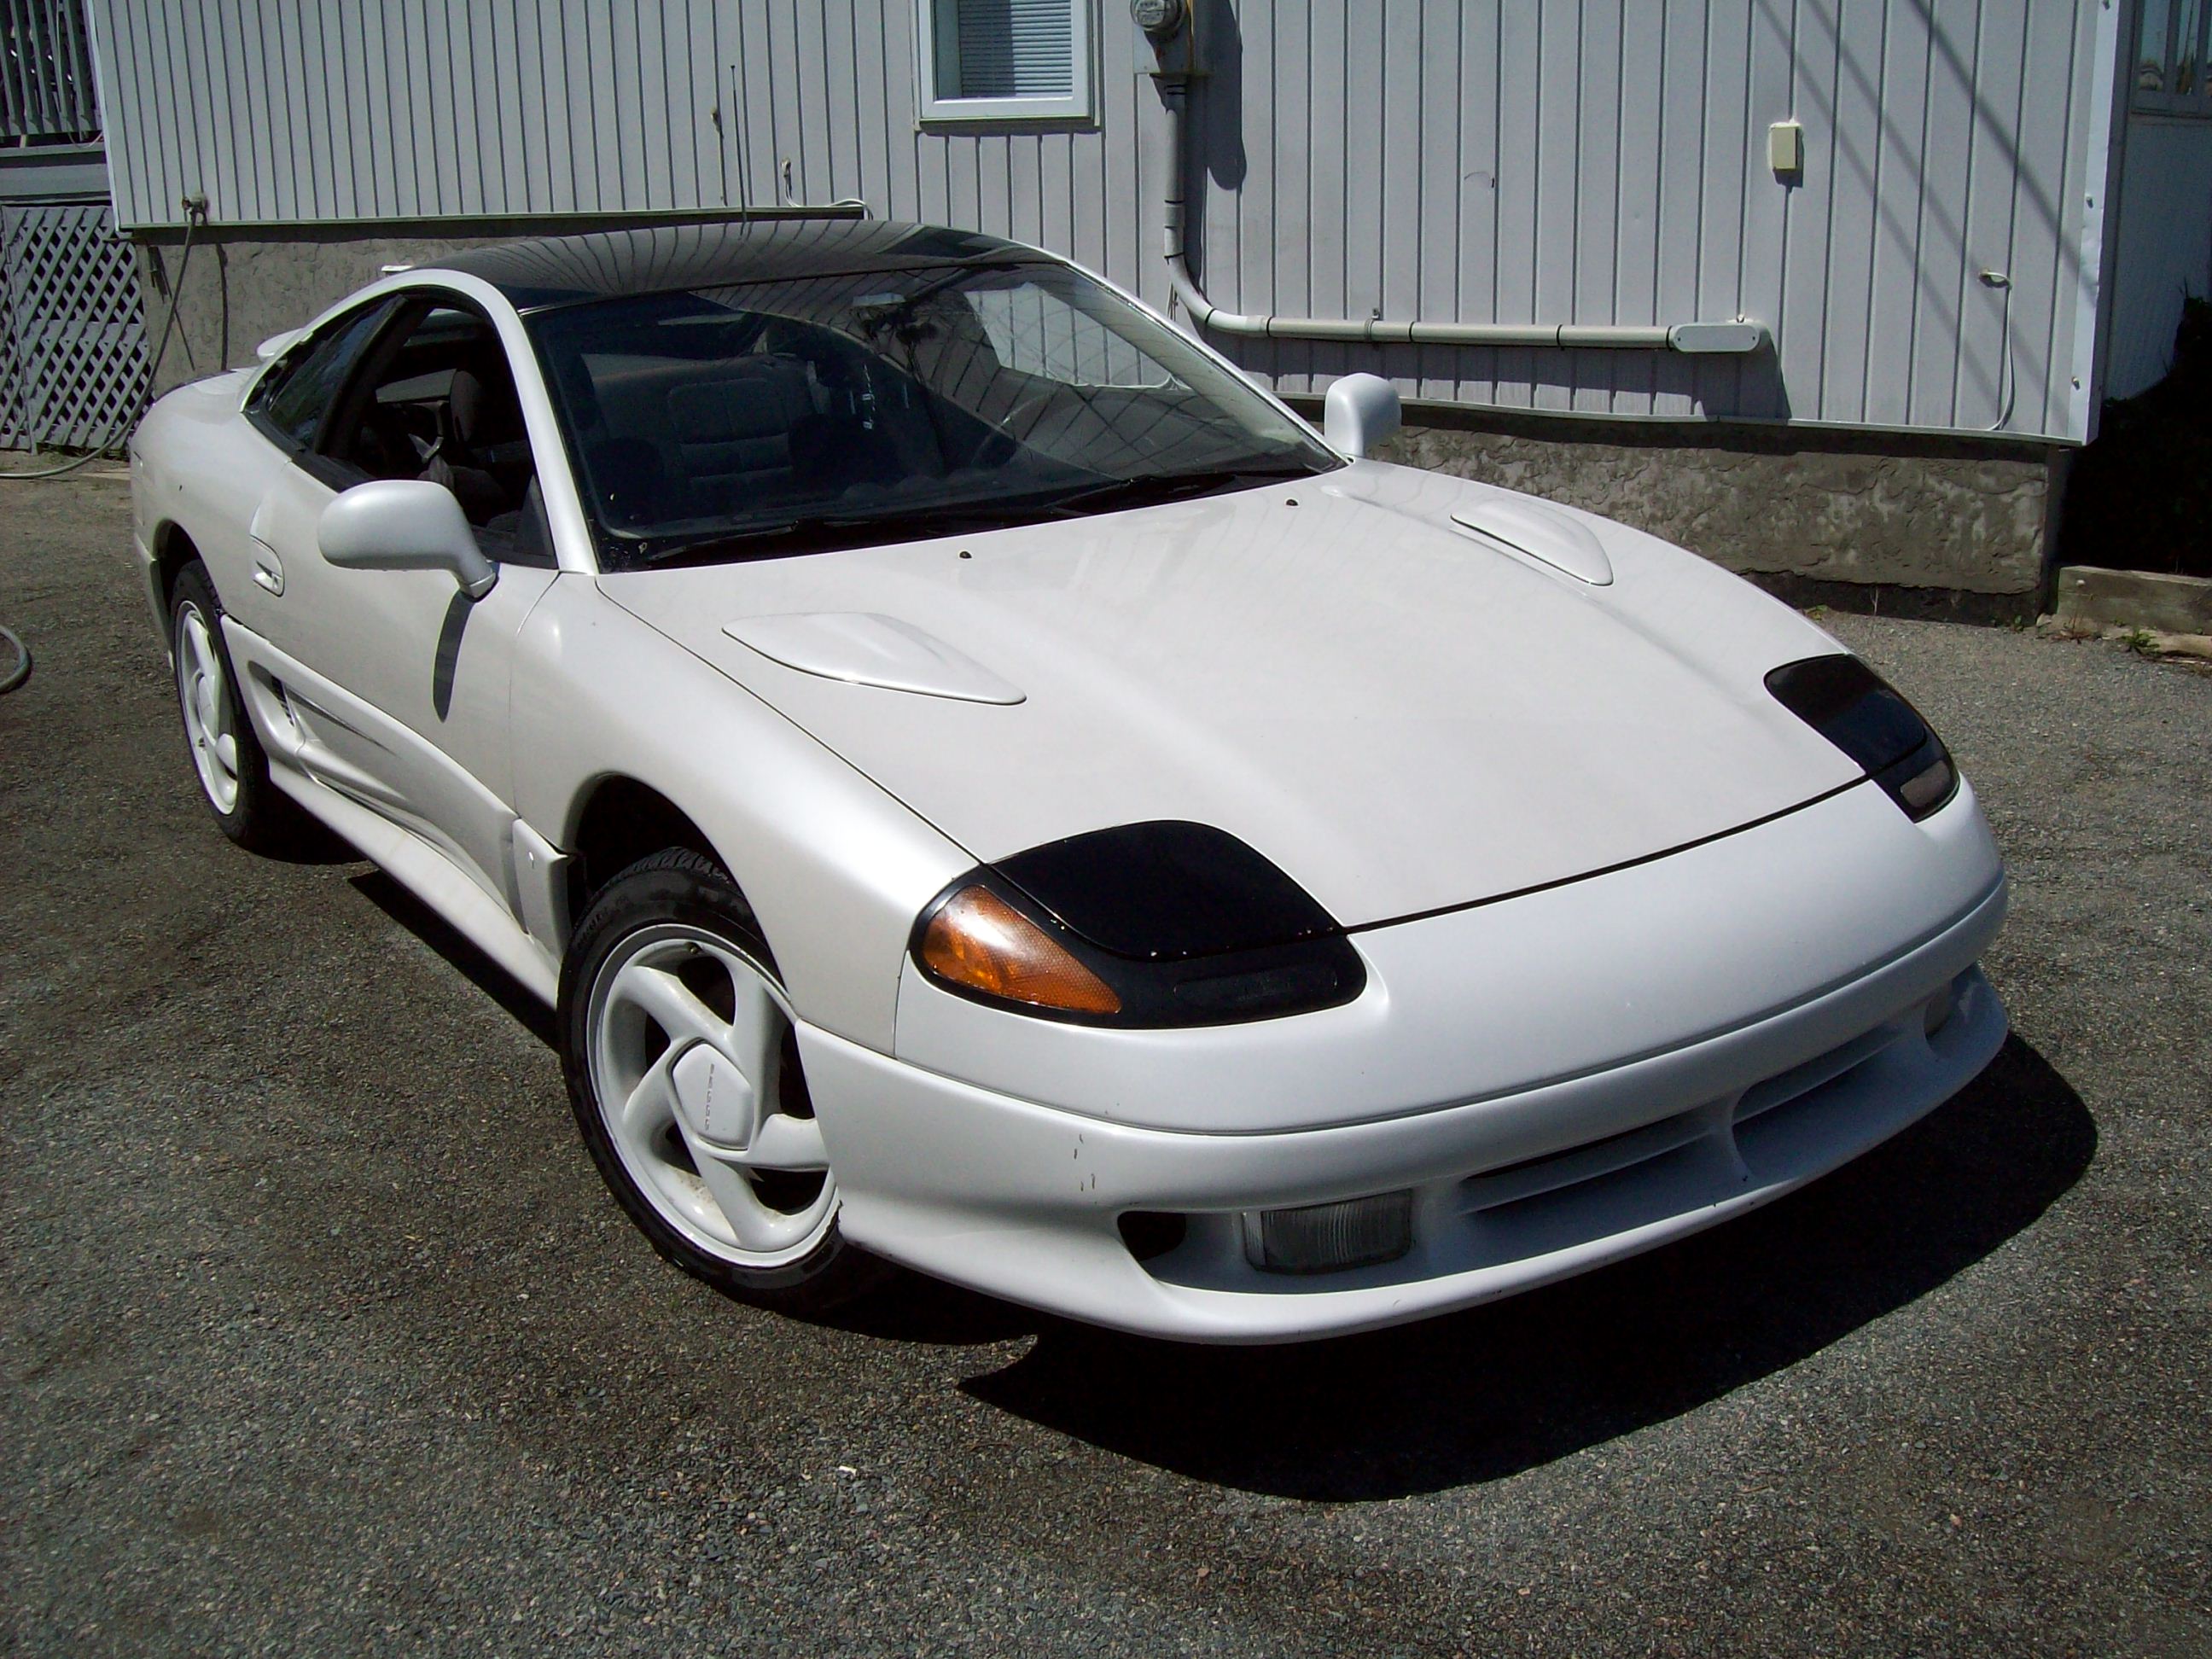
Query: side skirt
{"x": 530, "y": 868}
{"x": 431, "y": 877}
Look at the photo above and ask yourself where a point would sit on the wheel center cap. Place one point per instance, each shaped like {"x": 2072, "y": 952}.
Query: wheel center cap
{"x": 717, "y": 1100}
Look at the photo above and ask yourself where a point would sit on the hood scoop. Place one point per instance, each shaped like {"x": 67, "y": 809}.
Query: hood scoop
{"x": 862, "y": 648}
{"x": 1547, "y": 536}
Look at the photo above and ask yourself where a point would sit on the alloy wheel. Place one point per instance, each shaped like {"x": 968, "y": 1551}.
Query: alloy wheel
{"x": 695, "y": 1068}
{"x": 204, "y": 695}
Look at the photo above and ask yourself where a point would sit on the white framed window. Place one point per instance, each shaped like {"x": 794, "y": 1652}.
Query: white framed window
{"x": 1005, "y": 60}
{"x": 2171, "y": 37}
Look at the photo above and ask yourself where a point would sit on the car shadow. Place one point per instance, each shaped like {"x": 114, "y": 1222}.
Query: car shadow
{"x": 449, "y": 942}
{"x": 310, "y": 841}
{"x": 1476, "y": 1396}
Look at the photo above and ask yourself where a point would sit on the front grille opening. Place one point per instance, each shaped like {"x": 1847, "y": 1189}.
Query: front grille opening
{"x": 1622, "y": 1198}
{"x": 1511, "y": 1183}
{"x": 1815, "y": 1073}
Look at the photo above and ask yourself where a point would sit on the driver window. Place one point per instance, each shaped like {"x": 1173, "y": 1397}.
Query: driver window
{"x": 290, "y": 403}
{"x": 439, "y": 403}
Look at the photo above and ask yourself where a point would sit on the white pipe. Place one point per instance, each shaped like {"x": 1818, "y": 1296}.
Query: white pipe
{"x": 1737, "y": 335}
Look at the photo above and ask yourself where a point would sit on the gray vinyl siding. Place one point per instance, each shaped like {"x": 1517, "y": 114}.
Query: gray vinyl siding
{"x": 1510, "y": 161}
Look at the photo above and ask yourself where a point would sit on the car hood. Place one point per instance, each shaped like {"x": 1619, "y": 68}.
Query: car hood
{"x": 1403, "y": 712}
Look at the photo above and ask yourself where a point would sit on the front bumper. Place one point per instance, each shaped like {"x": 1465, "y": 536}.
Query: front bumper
{"x": 1023, "y": 1200}
{"x": 1560, "y": 1079}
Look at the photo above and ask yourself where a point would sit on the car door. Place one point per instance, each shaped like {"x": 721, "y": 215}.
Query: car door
{"x": 393, "y": 684}
{"x": 285, "y": 409}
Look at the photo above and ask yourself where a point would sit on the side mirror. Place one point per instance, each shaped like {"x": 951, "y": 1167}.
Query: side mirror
{"x": 1360, "y": 411}
{"x": 404, "y": 523}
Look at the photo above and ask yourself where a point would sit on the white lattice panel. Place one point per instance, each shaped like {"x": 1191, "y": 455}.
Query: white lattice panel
{"x": 74, "y": 375}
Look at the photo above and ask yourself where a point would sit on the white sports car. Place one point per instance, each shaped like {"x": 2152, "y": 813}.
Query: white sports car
{"x": 983, "y": 784}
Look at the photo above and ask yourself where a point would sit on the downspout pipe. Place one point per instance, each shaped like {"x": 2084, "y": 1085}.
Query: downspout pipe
{"x": 1736, "y": 337}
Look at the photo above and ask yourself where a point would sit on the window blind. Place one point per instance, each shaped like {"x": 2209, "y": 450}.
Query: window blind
{"x": 1007, "y": 49}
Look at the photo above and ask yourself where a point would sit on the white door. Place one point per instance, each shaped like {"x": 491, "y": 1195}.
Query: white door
{"x": 397, "y": 689}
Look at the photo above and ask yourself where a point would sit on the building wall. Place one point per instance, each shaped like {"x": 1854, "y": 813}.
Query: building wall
{"x": 1515, "y": 160}
{"x": 1786, "y": 505}
{"x": 2164, "y": 244}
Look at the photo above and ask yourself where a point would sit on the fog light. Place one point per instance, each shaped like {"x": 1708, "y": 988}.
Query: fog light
{"x": 1327, "y": 1238}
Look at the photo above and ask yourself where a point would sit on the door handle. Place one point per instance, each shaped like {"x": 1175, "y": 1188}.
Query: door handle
{"x": 267, "y": 568}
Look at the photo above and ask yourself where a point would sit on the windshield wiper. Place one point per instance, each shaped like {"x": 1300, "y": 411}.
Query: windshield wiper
{"x": 811, "y": 533}
{"x": 1147, "y": 489}
{"x": 820, "y": 533}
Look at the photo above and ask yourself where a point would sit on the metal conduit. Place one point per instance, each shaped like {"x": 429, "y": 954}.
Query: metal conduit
{"x": 1737, "y": 335}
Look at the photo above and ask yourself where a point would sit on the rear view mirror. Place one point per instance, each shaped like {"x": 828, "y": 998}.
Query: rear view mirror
{"x": 404, "y": 523}
{"x": 1359, "y": 412}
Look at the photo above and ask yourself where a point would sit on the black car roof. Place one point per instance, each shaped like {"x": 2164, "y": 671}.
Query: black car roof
{"x": 605, "y": 264}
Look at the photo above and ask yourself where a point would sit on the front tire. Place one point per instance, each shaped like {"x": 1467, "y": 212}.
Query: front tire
{"x": 226, "y": 753}
{"x": 684, "y": 1075}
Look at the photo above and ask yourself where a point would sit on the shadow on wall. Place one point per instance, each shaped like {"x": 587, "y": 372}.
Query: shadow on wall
{"x": 1906, "y": 267}
{"x": 1748, "y": 388}
{"x": 1221, "y": 146}
{"x": 1490, "y": 1393}
{"x": 1214, "y": 114}
{"x": 242, "y": 285}
{"x": 2140, "y": 497}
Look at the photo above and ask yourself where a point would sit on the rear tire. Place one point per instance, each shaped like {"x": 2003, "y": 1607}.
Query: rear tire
{"x": 684, "y": 1076}
{"x": 227, "y": 756}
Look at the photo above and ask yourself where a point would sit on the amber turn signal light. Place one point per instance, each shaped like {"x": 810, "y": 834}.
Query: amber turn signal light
{"x": 982, "y": 944}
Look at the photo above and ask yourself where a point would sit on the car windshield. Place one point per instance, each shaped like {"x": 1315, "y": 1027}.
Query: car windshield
{"x": 780, "y": 417}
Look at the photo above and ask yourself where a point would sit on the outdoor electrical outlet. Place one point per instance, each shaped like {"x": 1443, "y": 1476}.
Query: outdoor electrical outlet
{"x": 1785, "y": 148}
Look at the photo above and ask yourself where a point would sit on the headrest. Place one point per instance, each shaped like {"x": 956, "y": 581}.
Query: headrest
{"x": 483, "y": 411}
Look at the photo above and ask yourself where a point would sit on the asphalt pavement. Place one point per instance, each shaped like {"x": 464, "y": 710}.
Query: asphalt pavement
{"x": 321, "y": 1335}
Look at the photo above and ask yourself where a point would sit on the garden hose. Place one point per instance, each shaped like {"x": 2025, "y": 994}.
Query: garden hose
{"x": 21, "y": 670}
{"x": 195, "y": 217}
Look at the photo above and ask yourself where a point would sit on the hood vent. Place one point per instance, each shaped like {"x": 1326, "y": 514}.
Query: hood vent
{"x": 1548, "y": 536}
{"x": 862, "y": 648}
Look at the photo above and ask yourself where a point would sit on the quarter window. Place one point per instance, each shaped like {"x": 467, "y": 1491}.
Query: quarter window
{"x": 1005, "y": 60}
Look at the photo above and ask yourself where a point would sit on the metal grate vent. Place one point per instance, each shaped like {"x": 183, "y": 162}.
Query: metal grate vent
{"x": 73, "y": 371}
{"x": 45, "y": 73}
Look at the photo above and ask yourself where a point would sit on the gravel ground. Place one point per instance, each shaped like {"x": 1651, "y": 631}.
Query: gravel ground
{"x": 321, "y": 1335}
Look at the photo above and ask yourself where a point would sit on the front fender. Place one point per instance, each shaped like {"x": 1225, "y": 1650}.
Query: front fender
{"x": 836, "y": 869}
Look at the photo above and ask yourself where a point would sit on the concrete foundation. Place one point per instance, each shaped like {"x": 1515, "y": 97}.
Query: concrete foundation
{"x": 1951, "y": 526}
{"x": 237, "y": 291}
{"x": 1788, "y": 502}
{"x": 240, "y": 287}
{"x": 1794, "y": 503}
